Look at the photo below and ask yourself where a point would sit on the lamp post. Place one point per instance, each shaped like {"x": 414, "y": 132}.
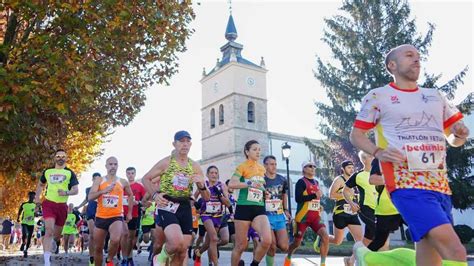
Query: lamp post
{"x": 285, "y": 151}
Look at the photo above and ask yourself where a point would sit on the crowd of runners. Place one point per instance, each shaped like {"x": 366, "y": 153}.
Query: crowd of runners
{"x": 181, "y": 211}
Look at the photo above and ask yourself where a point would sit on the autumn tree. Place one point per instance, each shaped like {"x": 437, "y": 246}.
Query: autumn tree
{"x": 77, "y": 69}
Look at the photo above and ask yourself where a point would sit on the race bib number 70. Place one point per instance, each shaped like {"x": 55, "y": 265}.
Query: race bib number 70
{"x": 426, "y": 156}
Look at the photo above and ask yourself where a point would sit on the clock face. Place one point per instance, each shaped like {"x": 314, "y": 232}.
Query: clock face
{"x": 251, "y": 81}
{"x": 215, "y": 86}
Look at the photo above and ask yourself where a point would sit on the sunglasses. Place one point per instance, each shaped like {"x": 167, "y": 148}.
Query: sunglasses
{"x": 310, "y": 166}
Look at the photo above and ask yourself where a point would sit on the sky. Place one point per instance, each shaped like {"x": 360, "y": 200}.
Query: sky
{"x": 288, "y": 35}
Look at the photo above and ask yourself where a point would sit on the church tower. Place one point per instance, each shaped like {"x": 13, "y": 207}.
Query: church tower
{"x": 234, "y": 107}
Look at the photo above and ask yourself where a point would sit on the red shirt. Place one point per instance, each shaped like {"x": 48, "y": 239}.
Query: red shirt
{"x": 138, "y": 193}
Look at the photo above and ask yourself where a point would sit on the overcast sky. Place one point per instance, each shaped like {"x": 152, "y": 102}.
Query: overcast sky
{"x": 288, "y": 35}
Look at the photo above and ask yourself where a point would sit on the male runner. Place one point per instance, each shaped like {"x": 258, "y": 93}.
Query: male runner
{"x": 276, "y": 206}
{"x": 176, "y": 174}
{"x": 367, "y": 196}
{"x": 27, "y": 213}
{"x": 90, "y": 218}
{"x": 129, "y": 235}
{"x": 308, "y": 212}
{"x": 412, "y": 126}
{"x": 60, "y": 182}
{"x": 109, "y": 192}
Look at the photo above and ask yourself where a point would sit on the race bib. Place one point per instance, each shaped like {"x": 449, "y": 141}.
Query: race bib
{"x": 110, "y": 201}
{"x": 56, "y": 179}
{"x": 68, "y": 223}
{"x": 426, "y": 157}
{"x": 314, "y": 205}
{"x": 83, "y": 228}
{"x": 254, "y": 194}
{"x": 125, "y": 201}
{"x": 348, "y": 209}
{"x": 29, "y": 218}
{"x": 213, "y": 207}
{"x": 272, "y": 205}
{"x": 170, "y": 207}
{"x": 180, "y": 182}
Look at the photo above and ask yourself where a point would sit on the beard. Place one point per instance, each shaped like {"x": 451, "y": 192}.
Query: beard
{"x": 60, "y": 162}
{"x": 410, "y": 74}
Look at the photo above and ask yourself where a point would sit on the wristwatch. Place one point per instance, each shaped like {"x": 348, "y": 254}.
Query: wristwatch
{"x": 249, "y": 183}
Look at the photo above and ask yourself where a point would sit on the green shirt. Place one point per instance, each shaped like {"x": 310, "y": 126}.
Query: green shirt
{"x": 56, "y": 179}
{"x": 367, "y": 192}
{"x": 176, "y": 181}
{"x": 253, "y": 172}
{"x": 28, "y": 213}
{"x": 149, "y": 216}
{"x": 70, "y": 225}
{"x": 384, "y": 204}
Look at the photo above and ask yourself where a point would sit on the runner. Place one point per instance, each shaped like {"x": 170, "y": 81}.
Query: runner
{"x": 70, "y": 229}
{"x": 148, "y": 223}
{"x": 308, "y": 212}
{"x": 276, "y": 207}
{"x": 6, "y": 233}
{"x": 343, "y": 216}
{"x": 90, "y": 218}
{"x": 230, "y": 213}
{"x": 367, "y": 196}
{"x": 211, "y": 213}
{"x": 27, "y": 213}
{"x": 386, "y": 215}
{"x": 61, "y": 182}
{"x": 128, "y": 240}
{"x": 410, "y": 145}
{"x": 176, "y": 174}
{"x": 250, "y": 210}
{"x": 109, "y": 192}
{"x": 83, "y": 234}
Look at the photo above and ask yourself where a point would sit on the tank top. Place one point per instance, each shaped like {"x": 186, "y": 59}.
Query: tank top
{"x": 212, "y": 207}
{"x": 110, "y": 205}
{"x": 308, "y": 210}
{"x": 176, "y": 182}
{"x": 341, "y": 206}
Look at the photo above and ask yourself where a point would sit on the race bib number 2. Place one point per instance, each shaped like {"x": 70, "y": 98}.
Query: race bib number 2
{"x": 213, "y": 207}
{"x": 255, "y": 195}
{"x": 426, "y": 157}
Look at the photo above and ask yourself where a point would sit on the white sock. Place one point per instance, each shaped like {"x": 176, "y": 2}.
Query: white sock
{"x": 47, "y": 256}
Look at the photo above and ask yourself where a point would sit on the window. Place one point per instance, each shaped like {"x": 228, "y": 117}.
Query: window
{"x": 213, "y": 118}
{"x": 221, "y": 114}
{"x": 251, "y": 112}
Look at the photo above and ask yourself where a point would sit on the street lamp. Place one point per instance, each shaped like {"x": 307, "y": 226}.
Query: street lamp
{"x": 285, "y": 151}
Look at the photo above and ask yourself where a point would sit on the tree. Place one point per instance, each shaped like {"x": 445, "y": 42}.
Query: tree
{"x": 359, "y": 38}
{"x": 79, "y": 68}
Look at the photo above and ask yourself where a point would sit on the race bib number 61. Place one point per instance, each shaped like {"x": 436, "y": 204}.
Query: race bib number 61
{"x": 426, "y": 156}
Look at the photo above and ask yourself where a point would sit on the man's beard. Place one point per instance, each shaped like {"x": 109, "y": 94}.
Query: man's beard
{"x": 60, "y": 162}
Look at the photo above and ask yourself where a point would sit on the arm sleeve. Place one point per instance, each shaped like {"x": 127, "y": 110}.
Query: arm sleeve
{"x": 43, "y": 177}
{"x": 300, "y": 187}
{"x": 352, "y": 181}
{"x": 238, "y": 171}
{"x": 369, "y": 112}
{"x": 375, "y": 168}
{"x": 73, "y": 181}
{"x": 451, "y": 113}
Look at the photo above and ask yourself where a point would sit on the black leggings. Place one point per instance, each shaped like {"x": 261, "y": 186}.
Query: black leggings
{"x": 26, "y": 234}
{"x": 383, "y": 226}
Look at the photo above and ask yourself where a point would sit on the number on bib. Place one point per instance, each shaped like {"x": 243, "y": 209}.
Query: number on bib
{"x": 55, "y": 179}
{"x": 110, "y": 201}
{"x": 170, "y": 207}
{"x": 314, "y": 205}
{"x": 272, "y": 205}
{"x": 254, "y": 194}
{"x": 213, "y": 207}
{"x": 426, "y": 157}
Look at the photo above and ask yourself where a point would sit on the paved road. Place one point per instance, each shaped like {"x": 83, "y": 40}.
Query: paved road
{"x": 36, "y": 258}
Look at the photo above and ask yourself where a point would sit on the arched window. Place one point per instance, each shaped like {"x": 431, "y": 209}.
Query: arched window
{"x": 221, "y": 114}
{"x": 251, "y": 112}
{"x": 213, "y": 118}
